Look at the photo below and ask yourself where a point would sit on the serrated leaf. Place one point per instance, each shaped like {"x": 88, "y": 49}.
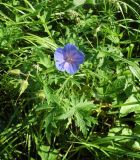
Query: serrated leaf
{"x": 48, "y": 93}
{"x": 114, "y": 39}
{"x": 81, "y": 123}
{"x": 117, "y": 85}
{"x": 80, "y": 111}
{"x": 48, "y": 121}
{"x": 68, "y": 114}
{"x": 43, "y": 106}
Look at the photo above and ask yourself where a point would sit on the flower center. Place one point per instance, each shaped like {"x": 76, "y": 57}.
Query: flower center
{"x": 69, "y": 59}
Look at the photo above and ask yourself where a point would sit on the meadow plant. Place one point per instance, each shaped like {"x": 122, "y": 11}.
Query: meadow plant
{"x": 69, "y": 80}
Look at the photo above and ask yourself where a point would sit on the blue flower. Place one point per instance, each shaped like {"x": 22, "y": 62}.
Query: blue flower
{"x": 68, "y": 58}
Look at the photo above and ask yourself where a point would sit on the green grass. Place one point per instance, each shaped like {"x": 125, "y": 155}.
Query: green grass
{"x": 46, "y": 114}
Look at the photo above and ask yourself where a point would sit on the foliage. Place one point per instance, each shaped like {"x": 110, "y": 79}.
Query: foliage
{"x": 48, "y": 114}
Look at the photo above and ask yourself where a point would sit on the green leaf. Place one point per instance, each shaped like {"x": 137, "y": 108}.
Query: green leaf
{"x": 90, "y": 2}
{"x": 117, "y": 85}
{"x": 136, "y": 146}
{"x": 68, "y": 114}
{"x": 48, "y": 154}
{"x": 131, "y": 105}
{"x": 113, "y": 38}
{"x": 48, "y": 93}
{"x": 48, "y": 127}
{"x": 126, "y": 131}
{"x": 45, "y": 60}
{"x": 78, "y": 2}
{"x": 135, "y": 71}
{"x": 43, "y": 41}
{"x": 81, "y": 123}
{"x": 79, "y": 110}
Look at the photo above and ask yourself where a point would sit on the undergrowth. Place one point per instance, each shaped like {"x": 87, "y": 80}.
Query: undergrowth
{"x": 46, "y": 114}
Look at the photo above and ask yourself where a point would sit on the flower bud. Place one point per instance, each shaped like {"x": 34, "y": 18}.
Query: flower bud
{"x": 15, "y": 71}
{"x": 23, "y": 86}
{"x": 40, "y": 94}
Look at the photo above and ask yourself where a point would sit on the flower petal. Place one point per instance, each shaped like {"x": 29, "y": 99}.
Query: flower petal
{"x": 69, "y": 49}
{"x": 58, "y": 55}
{"x": 71, "y": 68}
{"x": 60, "y": 66}
{"x": 78, "y": 57}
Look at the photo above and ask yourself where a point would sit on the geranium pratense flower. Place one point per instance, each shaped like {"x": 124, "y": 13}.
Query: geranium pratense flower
{"x": 68, "y": 58}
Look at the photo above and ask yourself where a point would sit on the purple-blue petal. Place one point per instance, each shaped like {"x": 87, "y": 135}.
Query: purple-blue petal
{"x": 78, "y": 57}
{"x": 60, "y": 66}
{"x": 69, "y": 49}
{"x": 58, "y": 55}
{"x": 71, "y": 68}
